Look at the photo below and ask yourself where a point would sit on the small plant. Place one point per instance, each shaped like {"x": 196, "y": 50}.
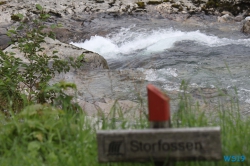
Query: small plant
{"x": 28, "y": 82}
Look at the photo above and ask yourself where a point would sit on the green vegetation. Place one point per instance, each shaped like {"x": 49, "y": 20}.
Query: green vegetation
{"x": 44, "y": 135}
{"x": 26, "y": 81}
{"x": 141, "y": 4}
{"x": 40, "y": 125}
{"x": 232, "y": 6}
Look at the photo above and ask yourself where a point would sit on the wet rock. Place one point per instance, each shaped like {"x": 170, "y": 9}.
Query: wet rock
{"x": 246, "y": 26}
{"x": 225, "y": 18}
{"x": 239, "y": 18}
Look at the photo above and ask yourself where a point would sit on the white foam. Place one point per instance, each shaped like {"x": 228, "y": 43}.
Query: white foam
{"x": 128, "y": 41}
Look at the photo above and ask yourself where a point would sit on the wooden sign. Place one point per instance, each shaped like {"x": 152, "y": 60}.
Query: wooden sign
{"x": 201, "y": 143}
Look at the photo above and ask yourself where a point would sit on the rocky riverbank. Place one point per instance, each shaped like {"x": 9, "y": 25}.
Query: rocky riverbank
{"x": 100, "y": 89}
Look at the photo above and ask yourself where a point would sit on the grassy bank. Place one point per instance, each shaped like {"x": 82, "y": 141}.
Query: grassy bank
{"x": 43, "y": 135}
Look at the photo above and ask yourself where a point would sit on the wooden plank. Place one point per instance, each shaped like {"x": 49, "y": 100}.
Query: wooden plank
{"x": 159, "y": 144}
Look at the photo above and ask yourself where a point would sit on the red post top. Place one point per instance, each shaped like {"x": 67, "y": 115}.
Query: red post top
{"x": 158, "y": 104}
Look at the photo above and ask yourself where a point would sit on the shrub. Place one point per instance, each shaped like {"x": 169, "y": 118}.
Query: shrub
{"x": 26, "y": 83}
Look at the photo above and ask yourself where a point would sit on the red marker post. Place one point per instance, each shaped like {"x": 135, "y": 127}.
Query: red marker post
{"x": 159, "y": 108}
{"x": 159, "y": 112}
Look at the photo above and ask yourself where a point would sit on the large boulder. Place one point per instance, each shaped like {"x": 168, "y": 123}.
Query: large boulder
{"x": 91, "y": 60}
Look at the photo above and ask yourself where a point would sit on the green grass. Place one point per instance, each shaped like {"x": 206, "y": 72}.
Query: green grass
{"x": 43, "y": 135}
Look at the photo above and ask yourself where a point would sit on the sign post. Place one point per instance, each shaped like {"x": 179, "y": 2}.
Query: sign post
{"x": 160, "y": 143}
{"x": 158, "y": 107}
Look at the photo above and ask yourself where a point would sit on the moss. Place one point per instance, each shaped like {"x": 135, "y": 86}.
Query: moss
{"x": 233, "y": 8}
{"x": 15, "y": 18}
{"x": 154, "y": 2}
{"x": 176, "y": 6}
{"x": 141, "y": 4}
{"x": 2, "y": 2}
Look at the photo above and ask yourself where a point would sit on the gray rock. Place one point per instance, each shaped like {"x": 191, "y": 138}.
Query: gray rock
{"x": 91, "y": 60}
{"x": 238, "y": 18}
{"x": 4, "y": 41}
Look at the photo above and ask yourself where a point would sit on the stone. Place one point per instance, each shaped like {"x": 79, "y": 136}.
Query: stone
{"x": 114, "y": 9}
{"x": 238, "y": 18}
{"x": 247, "y": 18}
{"x": 225, "y": 18}
{"x": 226, "y": 12}
{"x": 246, "y": 27}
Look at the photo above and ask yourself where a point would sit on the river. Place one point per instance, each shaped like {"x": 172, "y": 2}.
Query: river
{"x": 206, "y": 55}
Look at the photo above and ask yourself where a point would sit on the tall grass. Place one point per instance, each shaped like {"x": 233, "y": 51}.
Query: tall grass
{"x": 44, "y": 135}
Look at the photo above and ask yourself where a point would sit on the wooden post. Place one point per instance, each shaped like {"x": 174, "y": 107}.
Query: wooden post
{"x": 159, "y": 112}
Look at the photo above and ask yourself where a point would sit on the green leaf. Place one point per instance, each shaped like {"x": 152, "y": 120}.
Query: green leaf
{"x": 12, "y": 31}
{"x": 39, "y": 7}
{"x": 80, "y": 58}
{"x": 21, "y": 27}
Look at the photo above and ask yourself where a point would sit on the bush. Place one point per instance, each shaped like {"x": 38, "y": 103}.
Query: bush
{"x": 26, "y": 83}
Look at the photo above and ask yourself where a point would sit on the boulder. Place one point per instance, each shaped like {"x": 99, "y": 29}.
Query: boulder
{"x": 91, "y": 60}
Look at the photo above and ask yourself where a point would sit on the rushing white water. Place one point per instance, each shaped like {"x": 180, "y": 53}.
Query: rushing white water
{"x": 128, "y": 41}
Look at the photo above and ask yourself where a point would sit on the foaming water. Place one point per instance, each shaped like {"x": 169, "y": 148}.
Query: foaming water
{"x": 143, "y": 42}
